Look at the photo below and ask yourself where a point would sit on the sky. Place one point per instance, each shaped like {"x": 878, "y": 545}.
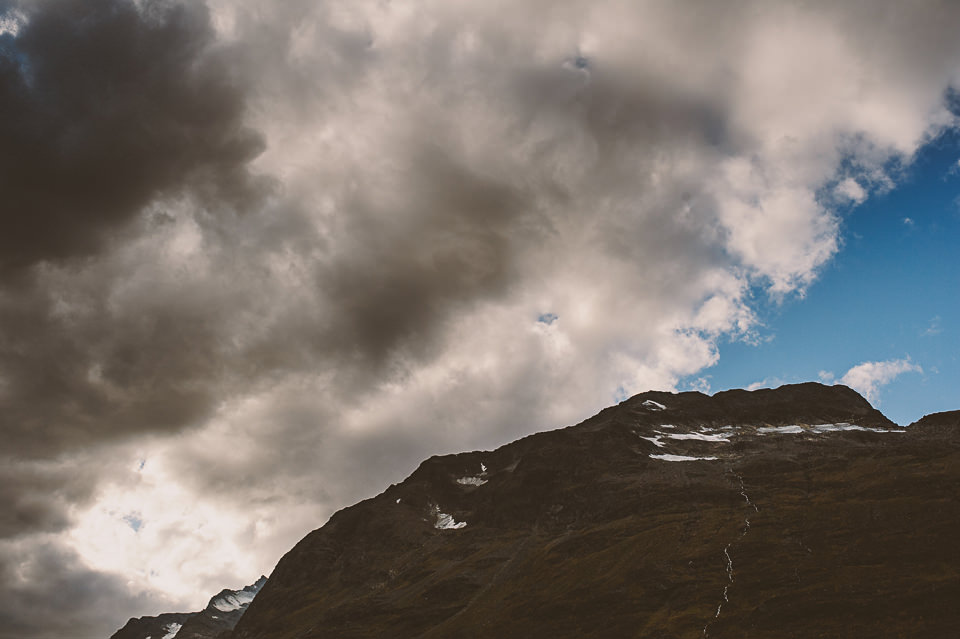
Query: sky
{"x": 259, "y": 261}
{"x": 889, "y": 296}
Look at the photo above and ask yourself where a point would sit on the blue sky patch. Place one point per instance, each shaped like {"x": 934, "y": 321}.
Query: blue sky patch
{"x": 547, "y": 318}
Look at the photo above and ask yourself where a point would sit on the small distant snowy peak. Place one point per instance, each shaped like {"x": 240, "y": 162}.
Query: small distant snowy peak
{"x": 233, "y": 601}
{"x": 220, "y": 616}
{"x": 230, "y": 600}
{"x": 163, "y": 626}
{"x": 652, "y": 405}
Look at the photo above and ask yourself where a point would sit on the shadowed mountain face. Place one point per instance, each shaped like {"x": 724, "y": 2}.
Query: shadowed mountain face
{"x": 796, "y": 512}
{"x": 162, "y": 626}
{"x": 221, "y": 615}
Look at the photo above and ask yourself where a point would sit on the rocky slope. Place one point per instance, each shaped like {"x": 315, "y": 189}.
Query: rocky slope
{"x": 164, "y": 626}
{"x": 221, "y": 614}
{"x": 796, "y": 512}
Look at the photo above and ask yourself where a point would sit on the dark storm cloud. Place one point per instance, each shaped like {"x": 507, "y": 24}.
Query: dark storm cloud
{"x": 126, "y": 105}
{"x": 103, "y": 106}
{"x": 121, "y": 345}
{"x": 37, "y": 497}
{"x": 448, "y": 240}
{"x": 108, "y": 106}
{"x": 48, "y": 592}
{"x": 74, "y": 377}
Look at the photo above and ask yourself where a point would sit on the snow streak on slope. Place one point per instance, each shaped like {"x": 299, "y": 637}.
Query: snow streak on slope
{"x": 681, "y": 458}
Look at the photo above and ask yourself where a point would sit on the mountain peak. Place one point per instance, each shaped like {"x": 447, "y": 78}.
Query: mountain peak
{"x": 229, "y": 600}
{"x": 808, "y": 402}
{"x": 221, "y": 615}
{"x": 671, "y": 514}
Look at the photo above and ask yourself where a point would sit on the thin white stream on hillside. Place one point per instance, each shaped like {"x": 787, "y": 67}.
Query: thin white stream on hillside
{"x": 726, "y": 553}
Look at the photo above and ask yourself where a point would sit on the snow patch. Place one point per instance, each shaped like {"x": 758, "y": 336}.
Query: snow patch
{"x": 698, "y": 436}
{"x": 483, "y": 467}
{"x": 172, "y": 630}
{"x": 471, "y": 481}
{"x": 830, "y": 428}
{"x": 446, "y": 522}
{"x": 723, "y": 429}
{"x": 654, "y": 440}
{"x": 679, "y": 458}
{"x": 652, "y": 405}
{"x": 790, "y": 430}
{"x": 822, "y": 428}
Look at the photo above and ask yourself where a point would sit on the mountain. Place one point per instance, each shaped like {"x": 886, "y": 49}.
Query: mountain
{"x": 798, "y": 512}
{"x": 164, "y": 626}
{"x": 221, "y": 615}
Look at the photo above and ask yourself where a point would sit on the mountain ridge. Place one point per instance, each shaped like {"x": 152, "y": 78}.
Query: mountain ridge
{"x": 220, "y": 615}
{"x": 788, "y": 512}
{"x": 786, "y": 500}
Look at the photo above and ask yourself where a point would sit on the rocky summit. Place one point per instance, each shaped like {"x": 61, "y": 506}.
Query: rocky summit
{"x": 797, "y": 512}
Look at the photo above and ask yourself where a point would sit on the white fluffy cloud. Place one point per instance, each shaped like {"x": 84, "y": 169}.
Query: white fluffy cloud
{"x": 438, "y": 177}
{"x": 851, "y": 190}
{"x": 868, "y": 377}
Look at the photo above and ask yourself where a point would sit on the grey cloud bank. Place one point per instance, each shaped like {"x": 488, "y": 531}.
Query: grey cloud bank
{"x": 260, "y": 262}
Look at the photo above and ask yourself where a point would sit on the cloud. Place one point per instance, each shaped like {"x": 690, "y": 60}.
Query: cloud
{"x": 700, "y": 384}
{"x": 933, "y": 328}
{"x": 851, "y": 190}
{"x": 45, "y": 576}
{"x": 105, "y": 106}
{"x": 868, "y": 377}
{"x": 279, "y": 257}
{"x": 769, "y": 382}
{"x": 37, "y": 496}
